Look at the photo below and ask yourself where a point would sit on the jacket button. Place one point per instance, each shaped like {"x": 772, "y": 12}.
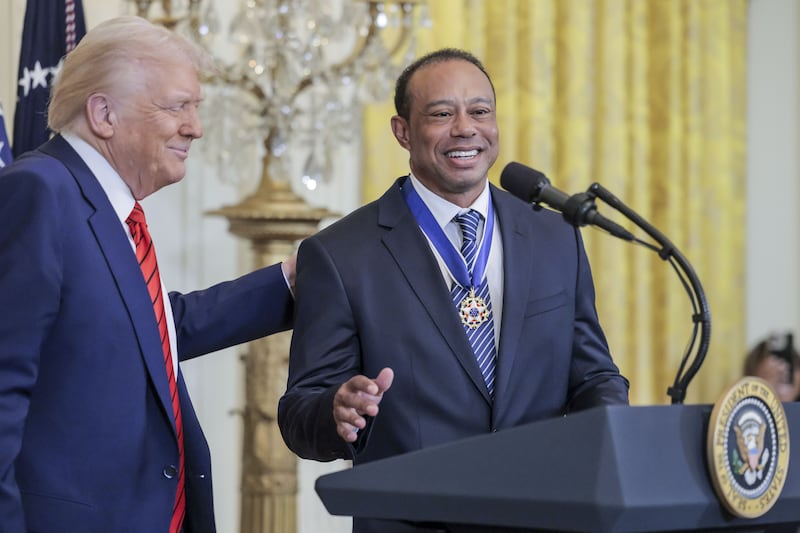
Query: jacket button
{"x": 170, "y": 471}
{"x": 494, "y": 430}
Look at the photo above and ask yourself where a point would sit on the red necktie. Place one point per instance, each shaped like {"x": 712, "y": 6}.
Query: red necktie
{"x": 146, "y": 255}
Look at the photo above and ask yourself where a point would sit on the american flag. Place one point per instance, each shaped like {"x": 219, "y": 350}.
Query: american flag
{"x": 52, "y": 28}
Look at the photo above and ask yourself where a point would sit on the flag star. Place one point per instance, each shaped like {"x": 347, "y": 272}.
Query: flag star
{"x": 2, "y": 163}
{"x": 25, "y": 81}
{"x": 39, "y": 76}
{"x": 56, "y": 69}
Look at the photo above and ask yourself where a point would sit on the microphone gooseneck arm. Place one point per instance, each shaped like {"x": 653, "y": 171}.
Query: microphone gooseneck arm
{"x": 533, "y": 187}
{"x": 580, "y": 210}
{"x": 701, "y": 314}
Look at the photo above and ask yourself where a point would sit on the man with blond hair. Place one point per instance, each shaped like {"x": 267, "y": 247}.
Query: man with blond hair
{"x": 97, "y": 430}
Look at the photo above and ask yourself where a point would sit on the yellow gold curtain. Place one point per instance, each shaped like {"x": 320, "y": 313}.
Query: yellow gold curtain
{"x": 645, "y": 97}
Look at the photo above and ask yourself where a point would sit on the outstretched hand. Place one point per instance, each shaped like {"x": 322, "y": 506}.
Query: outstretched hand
{"x": 356, "y": 398}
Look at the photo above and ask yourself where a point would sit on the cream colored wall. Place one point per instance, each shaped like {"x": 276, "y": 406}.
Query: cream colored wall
{"x": 773, "y": 168}
{"x": 196, "y": 250}
{"x": 11, "y": 16}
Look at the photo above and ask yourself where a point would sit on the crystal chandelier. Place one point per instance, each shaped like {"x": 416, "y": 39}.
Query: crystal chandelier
{"x": 292, "y": 75}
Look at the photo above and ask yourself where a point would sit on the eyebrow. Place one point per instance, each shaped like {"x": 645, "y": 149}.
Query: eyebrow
{"x": 478, "y": 100}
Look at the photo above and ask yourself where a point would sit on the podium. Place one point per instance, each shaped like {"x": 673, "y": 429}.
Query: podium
{"x": 607, "y": 469}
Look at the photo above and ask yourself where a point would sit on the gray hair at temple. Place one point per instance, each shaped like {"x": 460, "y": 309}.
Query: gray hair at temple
{"x": 111, "y": 55}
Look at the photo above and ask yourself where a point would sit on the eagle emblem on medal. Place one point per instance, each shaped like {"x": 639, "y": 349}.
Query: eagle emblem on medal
{"x": 750, "y": 456}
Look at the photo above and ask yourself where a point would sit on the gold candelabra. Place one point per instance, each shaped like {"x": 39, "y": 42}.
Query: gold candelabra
{"x": 288, "y": 85}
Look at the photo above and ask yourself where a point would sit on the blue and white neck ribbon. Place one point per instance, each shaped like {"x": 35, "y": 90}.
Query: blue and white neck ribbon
{"x": 451, "y": 256}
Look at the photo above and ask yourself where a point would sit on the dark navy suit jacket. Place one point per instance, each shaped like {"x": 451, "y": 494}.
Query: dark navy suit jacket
{"x": 370, "y": 294}
{"x": 87, "y": 438}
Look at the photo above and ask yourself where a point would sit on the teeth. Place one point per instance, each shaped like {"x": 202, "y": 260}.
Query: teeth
{"x": 469, "y": 153}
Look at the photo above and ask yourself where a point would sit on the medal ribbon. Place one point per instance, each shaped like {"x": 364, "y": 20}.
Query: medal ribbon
{"x": 451, "y": 256}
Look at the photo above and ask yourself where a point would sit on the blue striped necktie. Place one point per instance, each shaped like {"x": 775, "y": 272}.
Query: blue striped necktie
{"x": 479, "y": 333}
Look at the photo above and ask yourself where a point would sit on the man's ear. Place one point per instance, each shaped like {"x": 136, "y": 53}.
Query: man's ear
{"x": 99, "y": 116}
{"x": 400, "y": 130}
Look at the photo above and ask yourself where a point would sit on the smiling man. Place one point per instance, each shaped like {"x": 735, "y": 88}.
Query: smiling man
{"x": 445, "y": 309}
{"x": 97, "y": 430}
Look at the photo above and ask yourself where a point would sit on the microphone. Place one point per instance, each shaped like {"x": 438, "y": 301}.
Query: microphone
{"x": 533, "y": 187}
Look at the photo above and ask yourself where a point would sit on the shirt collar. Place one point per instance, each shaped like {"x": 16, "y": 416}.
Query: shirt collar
{"x": 443, "y": 211}
{"x": 117, "y": 191}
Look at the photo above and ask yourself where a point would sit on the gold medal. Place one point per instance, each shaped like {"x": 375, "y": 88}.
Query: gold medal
{"x": 473, "y": 310}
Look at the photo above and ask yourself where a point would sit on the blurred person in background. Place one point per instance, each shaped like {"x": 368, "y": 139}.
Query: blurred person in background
{"x": 775, "y": 360}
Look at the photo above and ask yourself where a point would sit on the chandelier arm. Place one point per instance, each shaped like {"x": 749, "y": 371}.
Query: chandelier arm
{"x": 405, "y": 35}
{"x": 244, "y": 83}
{"x": 337, "y": 68}
{"x": 359, "y": 48}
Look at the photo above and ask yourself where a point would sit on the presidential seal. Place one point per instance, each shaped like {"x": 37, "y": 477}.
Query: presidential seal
{"x": 748, "y": 448}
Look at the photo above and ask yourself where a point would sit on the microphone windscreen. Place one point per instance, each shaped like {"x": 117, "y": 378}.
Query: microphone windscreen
{"x": 523, "y": 182}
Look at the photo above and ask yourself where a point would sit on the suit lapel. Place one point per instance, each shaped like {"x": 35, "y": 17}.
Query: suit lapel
{"x": 518, "y": 247}
{"x": 114, "y": 245}
{"x": 416, "y": 261}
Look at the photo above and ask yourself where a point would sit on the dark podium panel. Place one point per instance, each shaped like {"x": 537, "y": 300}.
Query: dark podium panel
{"x": 615, "y": 469}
